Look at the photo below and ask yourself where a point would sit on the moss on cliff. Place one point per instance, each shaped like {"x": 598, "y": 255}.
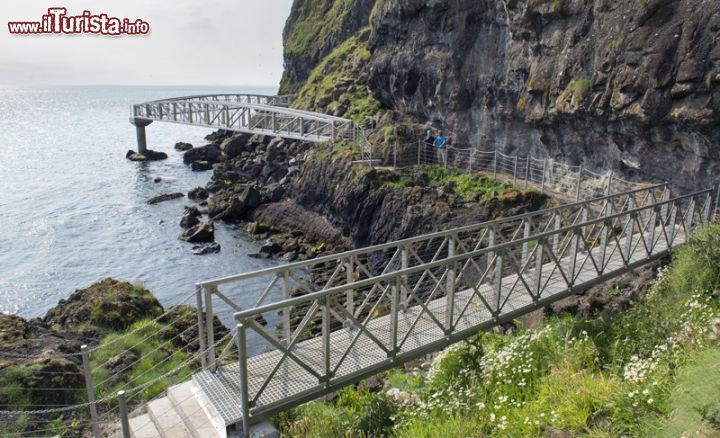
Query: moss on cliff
{"x": 337, "y": 84}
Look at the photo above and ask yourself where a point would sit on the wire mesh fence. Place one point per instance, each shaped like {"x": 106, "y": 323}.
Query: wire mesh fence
{"x": 544, "y": 174}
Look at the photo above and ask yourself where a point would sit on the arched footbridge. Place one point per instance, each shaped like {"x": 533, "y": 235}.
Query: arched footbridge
{"x": 248, "y": 113}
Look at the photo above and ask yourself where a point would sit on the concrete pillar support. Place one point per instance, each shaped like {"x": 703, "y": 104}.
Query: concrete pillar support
{"x": 140, "y": 125}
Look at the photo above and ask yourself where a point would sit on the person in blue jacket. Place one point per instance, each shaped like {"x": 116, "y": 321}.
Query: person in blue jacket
{"x": 441, "y": 146}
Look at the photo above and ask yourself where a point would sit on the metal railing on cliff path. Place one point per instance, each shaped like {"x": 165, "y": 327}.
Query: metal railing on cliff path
{"x": 522, "y": 171}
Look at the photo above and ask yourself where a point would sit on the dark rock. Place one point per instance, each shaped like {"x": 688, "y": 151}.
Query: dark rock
{"x": 250, "y": 197}
{"x": 273, "y": 192}
{"x": 165, "y": 197}
{"x": 209, "y": 153}
{"x": 120, "y": 364}
{"x": 214, "y": 186}
{"x": 198, "y": 194}
{"x": 200, "y": 233}
{"x": 235, "y": 145}
{"x": 190, "y": 218}
{"x": 56, "y": 374}
{"x": 210, "y": 248}
{"x": 270, "y": 248}
{"x": 293, "y": 170}
{"x": 201, "y": 166}
{"x": 180, "y": 146}
{"x": 183, "y": 332}
{"x": 147, "y": 156}
{"x": 157, "y": 179}
{"x": 109, "y": 304}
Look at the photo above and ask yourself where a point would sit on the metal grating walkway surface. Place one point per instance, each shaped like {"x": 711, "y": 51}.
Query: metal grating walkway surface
{"x": 354, "y": 353}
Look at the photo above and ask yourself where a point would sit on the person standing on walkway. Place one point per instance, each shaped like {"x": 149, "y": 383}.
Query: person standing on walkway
{"x": 441, "y": 146}
{"x": 429, "y": 144}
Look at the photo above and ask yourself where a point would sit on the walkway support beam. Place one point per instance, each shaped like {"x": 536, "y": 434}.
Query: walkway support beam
{"x": 140, "y": 125}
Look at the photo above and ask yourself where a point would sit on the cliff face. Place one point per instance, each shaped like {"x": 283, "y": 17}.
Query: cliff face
{"x": 605, "y": 83}
{"x": 629, "y": 85}
{"x": 313, "y": 29}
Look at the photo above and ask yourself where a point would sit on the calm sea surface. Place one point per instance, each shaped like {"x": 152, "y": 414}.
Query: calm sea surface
{"x": 72, "y": 208}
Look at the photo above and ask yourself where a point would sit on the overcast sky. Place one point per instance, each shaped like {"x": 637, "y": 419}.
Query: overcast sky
{"x": 193, "y": 42}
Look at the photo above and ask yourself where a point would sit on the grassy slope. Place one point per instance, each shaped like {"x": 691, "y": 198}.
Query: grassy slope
{"x": 342, "y": 64}
{"x": 651, "y": 369}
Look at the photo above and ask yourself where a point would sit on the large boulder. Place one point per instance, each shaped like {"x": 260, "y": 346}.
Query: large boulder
{"x": 145, "y": 156}
{"x": 180, "y": 146}
{"x": 235, "y": 145}
{"x": 190, "y": 218}
{"x": 250, "y": 197}
{"x": 201, "y": 166}
{"x": 204, "y": 232}
{"x": 209, "y": 153}
{"x": 210, "y": 248}
{"x": 109, "y": 304}
{"x": 198, "y": 194}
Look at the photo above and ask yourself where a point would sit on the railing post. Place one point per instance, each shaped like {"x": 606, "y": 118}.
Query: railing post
{"x": 688, "y": 216}
{"x": 556, "y": 236}
{"x": 498, "y": 281}
{"x": 608, "y": 189}
{"x": 538, "y": 268}
{"x": 404, "y": 264}
{"x": 451, "y": 276}
{"x": 241, "y": 341}
{"x": 90, "y": 388}
{"x": 515, "y": 170}
{"x": 527, "y": 171}
{"x": 491, "y": 242}
{"x": 124, "y": 422}
{"x": 349, "y": 279}
{"x": 579, "y": 182}
{"x": 210, "y": 327}
{"x": 495, "y": 167}
{"x": 273, "y": 121}
{"x": 420, "y": 145}
{"x": 527, "y": 226}
{"x": 542, "y": 184}
{"x": 671, "y": 224}
{"x": 717, "y": 201}
{"x": 327, "y": 350}
{"x": 394, "y": 309}
{"x": 286, "y": 310}
{"x": 201, "y": 326}
{"x": 630, "y": 232}
{"x": 604, "y": 234}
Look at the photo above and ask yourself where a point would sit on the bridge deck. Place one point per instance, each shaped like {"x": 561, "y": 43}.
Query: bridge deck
{"x": 222, "y": 388}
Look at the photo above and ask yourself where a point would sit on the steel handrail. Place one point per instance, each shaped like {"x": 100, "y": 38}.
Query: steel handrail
{"x": 248, "y": 313}
{"x": 429, "y": 236}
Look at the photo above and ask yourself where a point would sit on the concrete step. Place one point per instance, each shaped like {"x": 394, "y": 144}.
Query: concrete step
{"x": 197, "y": 421}
{"x": 143, "y": 427}
{"x": 166, "y": 419}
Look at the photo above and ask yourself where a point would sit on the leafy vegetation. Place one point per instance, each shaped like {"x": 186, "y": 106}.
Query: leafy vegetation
{"x": 317, "y": 21}
{"x": 332, "y": 84}
{"x": 470, "y": 187}
{"x": 652, "y": 368}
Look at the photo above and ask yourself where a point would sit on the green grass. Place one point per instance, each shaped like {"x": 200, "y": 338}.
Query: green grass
{"x": 695, "y": 399}
{"x": 316, "y": 22}
{"x": 651, "y": 370}
{"x": 579, "y": 90}
{"x": 157, "y": 357}
{"x": 469, "y": 187}
{"x": 343, "y": 63}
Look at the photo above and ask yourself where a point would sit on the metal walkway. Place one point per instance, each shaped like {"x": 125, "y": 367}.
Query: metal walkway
{"x": 248, "y": 113}
{"x": 326, "y": 323}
